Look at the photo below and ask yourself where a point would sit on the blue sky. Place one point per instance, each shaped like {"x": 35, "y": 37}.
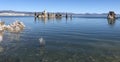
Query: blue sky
{"x": 75, "y": 6}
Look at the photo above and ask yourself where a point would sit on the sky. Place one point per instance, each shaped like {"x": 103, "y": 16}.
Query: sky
{"x": 74, "y": 6}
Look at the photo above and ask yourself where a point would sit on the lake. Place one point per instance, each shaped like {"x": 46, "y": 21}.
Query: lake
{"x": 66, "y": 40}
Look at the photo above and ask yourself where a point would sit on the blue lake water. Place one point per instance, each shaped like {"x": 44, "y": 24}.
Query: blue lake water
{"x": 66, "y": 40}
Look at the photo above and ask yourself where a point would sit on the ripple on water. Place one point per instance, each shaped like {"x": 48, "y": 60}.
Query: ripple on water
{"x": 76, "y": 40}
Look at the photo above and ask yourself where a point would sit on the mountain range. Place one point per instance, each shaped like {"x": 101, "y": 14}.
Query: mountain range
{"x": 15, "y": 13}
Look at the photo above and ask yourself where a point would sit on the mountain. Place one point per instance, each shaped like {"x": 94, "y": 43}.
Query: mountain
{"x": 15, "y": 13}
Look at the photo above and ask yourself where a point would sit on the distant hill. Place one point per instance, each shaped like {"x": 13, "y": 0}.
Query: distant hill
{"x": 15, "y": 13}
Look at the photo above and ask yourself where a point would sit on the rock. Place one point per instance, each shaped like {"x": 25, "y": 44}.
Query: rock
{"x": 42, "y": 41}
{"x": 92, "y": 58}
{"x": 15, "y": 26}
{"x": 111, "y": 15}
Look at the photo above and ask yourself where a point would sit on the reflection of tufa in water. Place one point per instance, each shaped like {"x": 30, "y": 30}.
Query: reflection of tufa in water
{"x": 1, "y": 36}
{"x": 14, "y": 37}
{"x": 111, "y": 22}
{"x": 42, "y": 41}
{"x": 1, "y": 49}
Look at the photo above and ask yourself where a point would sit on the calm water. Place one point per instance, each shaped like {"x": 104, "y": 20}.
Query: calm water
{"x": 66, "y": 40}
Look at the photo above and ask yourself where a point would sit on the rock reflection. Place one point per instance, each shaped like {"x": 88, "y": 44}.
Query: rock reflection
{"x": 43, "y": 19}
{"x": 42, "y": 50}
{"x": 111, "y": 21}
{"x": 51, "y": 18}
{"x": 1, "y": 36}
{"x": 42, "y": 54}
{"x": 58, "y": 18}
{"x": 1, "y": 49}
{"x": 35, "y": 19}
{"x": 14, "y": 36}
{"x": 1, "y": 39}
{"x": 10, "y": 36}
{"x": 47, "y": 19}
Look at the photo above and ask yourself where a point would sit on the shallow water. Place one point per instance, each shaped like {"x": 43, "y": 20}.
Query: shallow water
{"x": 64, "y": 40}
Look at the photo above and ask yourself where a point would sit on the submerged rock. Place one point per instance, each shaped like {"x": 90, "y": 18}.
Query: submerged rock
{"x": 42, "y": 41}
{"x": 1, "y": 49}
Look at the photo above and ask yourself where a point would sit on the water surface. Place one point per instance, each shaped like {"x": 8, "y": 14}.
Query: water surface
{"x": 66, "y": 40}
